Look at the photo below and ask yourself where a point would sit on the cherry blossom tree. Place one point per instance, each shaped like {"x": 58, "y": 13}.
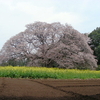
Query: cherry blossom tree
{"x": 49, "y": 45}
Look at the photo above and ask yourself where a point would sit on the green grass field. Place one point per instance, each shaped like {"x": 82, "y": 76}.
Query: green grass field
{"x": 43, "y": 72}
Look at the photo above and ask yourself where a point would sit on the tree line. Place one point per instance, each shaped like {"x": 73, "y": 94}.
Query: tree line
{"x": 95, "y": 43}
{"x": 50, "y": 45}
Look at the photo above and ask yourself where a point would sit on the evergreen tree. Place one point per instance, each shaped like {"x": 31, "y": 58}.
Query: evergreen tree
{"x": 95, "y": 42}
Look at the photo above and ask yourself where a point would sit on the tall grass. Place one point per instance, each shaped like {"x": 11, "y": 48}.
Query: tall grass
{"x": 43, "y": 72}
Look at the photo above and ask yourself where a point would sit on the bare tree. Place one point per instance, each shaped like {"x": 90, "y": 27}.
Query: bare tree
{"x": 50, "y": 45}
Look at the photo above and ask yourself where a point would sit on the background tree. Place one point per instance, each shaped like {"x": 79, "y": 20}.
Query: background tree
{"x": 49, "y": 45}
{"x": 95, "y": 42}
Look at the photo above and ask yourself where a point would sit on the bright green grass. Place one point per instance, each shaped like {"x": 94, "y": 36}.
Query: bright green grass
{"x": 42, "y": 72}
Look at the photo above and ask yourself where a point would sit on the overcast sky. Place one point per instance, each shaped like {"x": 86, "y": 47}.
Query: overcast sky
{"x": 83, "y": 15}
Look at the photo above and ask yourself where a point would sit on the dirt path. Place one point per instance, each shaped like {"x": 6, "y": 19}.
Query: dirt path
{"x": 49, "y": 89}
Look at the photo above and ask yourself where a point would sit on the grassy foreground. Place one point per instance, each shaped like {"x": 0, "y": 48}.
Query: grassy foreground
{"x": 42, "y": 72}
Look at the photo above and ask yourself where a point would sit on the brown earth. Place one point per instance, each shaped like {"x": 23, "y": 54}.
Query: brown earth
{"x": 49, "y": 89}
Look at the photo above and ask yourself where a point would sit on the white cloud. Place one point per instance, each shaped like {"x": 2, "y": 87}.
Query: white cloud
{"x": 32, "y": 9}
{"x": 68, "y": 17}
{"x": 42, "y": 13}
{"x": 6, "y": 2}
{"x": 47, "y": 14}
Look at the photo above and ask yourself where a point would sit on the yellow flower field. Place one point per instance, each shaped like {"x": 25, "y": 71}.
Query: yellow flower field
{"x": 43, "y": 72}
